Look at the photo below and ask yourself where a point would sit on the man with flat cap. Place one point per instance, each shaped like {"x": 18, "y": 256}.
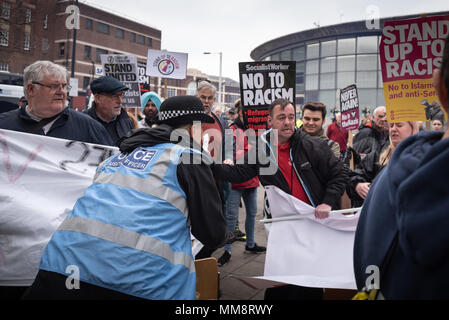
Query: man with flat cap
{"x": 128, "y": 236}
{"x": 107, "y": 107}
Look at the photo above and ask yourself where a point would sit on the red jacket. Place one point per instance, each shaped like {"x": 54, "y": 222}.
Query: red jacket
{"x": 241, "y": 148}
{"x": 338, "y": 134}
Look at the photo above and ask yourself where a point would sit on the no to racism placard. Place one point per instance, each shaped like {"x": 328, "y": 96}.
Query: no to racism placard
{"x": 166, "y": 64}
{"x": 349, "y": 105}
{"x": 409, "y": 52}
{"x": 124, "y": 68}
{"x": 260, "y": 84}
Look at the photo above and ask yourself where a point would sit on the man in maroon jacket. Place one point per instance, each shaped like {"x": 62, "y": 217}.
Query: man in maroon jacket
{"x": 336, "y": 133}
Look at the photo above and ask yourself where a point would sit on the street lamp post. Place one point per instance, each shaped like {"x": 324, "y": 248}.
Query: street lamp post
{"x": 219, "y": 77}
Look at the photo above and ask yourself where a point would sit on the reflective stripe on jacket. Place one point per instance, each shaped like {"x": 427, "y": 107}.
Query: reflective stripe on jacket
{"x": 130, "y": 232}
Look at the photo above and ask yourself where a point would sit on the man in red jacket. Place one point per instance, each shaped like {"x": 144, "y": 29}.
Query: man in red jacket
{"x": 336, "y": 133}
{"x": 246, "y": 190}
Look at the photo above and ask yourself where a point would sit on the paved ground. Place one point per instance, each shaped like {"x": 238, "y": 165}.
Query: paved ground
{"x": 243, "y": 264}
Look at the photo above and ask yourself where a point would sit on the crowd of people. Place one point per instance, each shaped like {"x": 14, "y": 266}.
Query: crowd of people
{"x": 131, "y": 231}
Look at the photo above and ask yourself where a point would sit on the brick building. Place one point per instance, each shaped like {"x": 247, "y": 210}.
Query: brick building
{"x": 33, "y": 30}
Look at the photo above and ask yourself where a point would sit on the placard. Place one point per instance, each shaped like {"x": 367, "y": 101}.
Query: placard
{"x": 166, "y": 64}
{"x": 409, "y": 52}
{"x": 260, "y": 84}
{"x": 124, "y": 68}
{"x": 350, "y": 108}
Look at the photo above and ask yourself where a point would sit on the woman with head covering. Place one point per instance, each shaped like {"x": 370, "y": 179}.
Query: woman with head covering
{"x": 361, "y": 178}
{"x": 151, "y": 103}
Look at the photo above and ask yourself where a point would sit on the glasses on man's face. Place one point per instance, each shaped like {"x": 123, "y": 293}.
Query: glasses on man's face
{"x": 54, "y": 87}
{"x": 115, "y": 96}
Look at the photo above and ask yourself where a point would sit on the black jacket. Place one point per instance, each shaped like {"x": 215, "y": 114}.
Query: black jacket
{"x": 203, "y": 200}
{"x": 323, "y": 174}
{"x": 117, "y": 128}
{"x": 369, "y": 139}
{"x": 70, "y": 125}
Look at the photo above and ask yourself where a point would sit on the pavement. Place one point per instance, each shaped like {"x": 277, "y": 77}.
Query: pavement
{"x": 244, "y": 264}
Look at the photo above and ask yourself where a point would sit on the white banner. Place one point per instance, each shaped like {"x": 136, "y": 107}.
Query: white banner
{"x": 307, "y": 252}
{"x": 40, "y": 180}
{"x": 166, "y": 64}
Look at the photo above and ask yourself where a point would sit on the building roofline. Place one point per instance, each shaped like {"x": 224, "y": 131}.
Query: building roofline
{"x": 341, "y": 29}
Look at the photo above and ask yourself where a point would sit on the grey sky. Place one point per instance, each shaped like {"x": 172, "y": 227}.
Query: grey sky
{"x": 235, "y": 27}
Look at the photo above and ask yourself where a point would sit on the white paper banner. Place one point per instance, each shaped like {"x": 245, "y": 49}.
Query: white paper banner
{"x": 307, "y": 252}
{"x": 40, "y": 180}
{"x": 166, "y": 64}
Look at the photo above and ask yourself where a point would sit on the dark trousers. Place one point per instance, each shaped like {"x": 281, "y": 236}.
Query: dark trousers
{"x": 12, "y": 293}
{"x": 52, "y": 286}
{"x": 292, "y": 292}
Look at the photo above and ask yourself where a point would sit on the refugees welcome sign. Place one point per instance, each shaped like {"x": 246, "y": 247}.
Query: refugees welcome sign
{"x": 260, "y": 84}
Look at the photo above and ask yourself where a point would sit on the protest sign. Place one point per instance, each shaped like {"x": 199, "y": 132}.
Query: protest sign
{"x": 124, "y": 68}
{"x": 349, "y": 107}
{"x": 409, "y": 52}
{"x": 40, "y": 180}
{"x": 260, "y": 84}
{"x": 166, "y": 64}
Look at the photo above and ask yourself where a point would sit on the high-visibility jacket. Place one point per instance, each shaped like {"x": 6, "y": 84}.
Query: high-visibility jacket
{"x": 130, "y": 231}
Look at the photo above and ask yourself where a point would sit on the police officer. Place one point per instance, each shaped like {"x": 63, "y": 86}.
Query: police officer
{"x": 128, "y": 236}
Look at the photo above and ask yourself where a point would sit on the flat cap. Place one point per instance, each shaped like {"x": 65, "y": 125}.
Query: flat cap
{"x": 107, "y": 84}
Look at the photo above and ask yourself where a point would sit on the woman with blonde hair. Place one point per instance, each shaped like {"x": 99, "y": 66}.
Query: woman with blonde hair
{"x": 361, "y": 178}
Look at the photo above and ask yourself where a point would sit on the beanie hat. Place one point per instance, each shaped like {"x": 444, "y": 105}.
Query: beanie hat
{"x": 153, "y": 97}
{"x": 179, "y": 110}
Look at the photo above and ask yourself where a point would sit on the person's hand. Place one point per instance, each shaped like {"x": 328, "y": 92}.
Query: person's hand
{"x": 362, "y": 189}
{"x": 322, "y": 211}
{"x": 228, "y": 161}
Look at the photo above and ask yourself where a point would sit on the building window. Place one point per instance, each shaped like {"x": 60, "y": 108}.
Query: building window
{"x": 120, "y": 33}
{"x": 367, "y": 44}
{"x": 61, "y": 49}
{"x": 86, "y": 82}
{"x": 6, "y": 10}
{"x": 171, "y": 92}
{"x": 191, "y": 88}
{"x": 327, "y": 65}
{"x": 299, "y": 53}
{"x": 87, "y": 52}
{"x": 99, "y": 53}
{"x": 26, "y": 42}
{"x": 140, "y": 39}
{"x": 149, "y": 42}
{"x": 132, "y": 37}
{"x": 28, "y": 16}
{"x": 4, "y": 66}
{"x": 45, "y": 22}
{"x": 346, "y": 63}
{"x": 346, "y": 46}
{"x": 89, "y": 24}
{"x": 102, "y": 27}
{"x": 286, "y": 55}
{"x": 313, "y": 50}
{"x": 44, "y": 44}
{"x": 328, "y": 48}
{"x": 367, "y": 79}
{"x": 366, "y": 62}
{"x": 312, "y": 67}
{"x": 4, "y": 38}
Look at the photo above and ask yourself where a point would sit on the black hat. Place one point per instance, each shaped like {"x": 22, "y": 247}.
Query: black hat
{"x": 233, "y": 110}
{"x": 107, "y": 84}
{"x": 179, "y": 110}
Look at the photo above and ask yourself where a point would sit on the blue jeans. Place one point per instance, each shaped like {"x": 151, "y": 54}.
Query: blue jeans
{"x": 232, "y": 212}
